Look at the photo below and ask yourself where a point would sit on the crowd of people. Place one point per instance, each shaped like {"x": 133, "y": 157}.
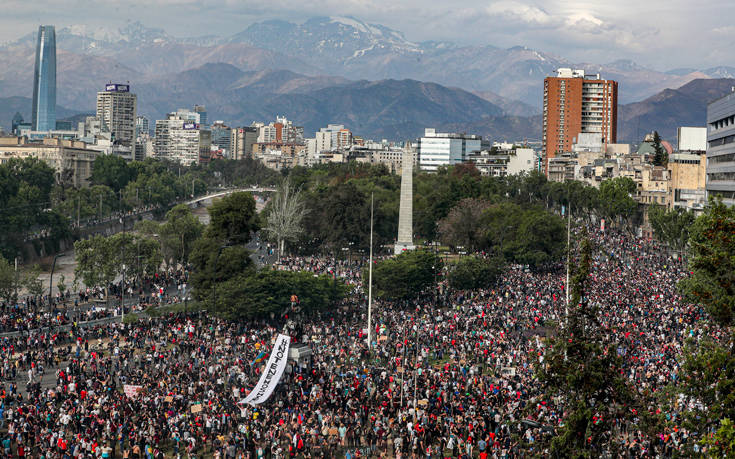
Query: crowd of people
{"x": 455, "y": 381}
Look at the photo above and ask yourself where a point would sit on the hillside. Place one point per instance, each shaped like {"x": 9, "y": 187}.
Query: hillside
{"x": 670, "y": 109}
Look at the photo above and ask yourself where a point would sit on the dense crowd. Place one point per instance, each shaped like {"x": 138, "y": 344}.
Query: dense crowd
{"x": 456, "y": 381}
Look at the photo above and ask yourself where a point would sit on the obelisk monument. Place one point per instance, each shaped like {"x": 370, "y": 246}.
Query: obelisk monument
{"x": 405, "y": 215}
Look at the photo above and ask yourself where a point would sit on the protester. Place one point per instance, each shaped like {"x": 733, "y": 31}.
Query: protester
{"x": 457, "y": 379}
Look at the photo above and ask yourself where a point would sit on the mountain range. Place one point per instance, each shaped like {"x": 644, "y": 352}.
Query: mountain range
{"x": 317, "y": 71}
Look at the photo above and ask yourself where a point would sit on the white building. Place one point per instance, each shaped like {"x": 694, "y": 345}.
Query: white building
{"x": 117, "y": 112}
{"x": 180, "y": 139}
{"x": 504, "y": 159}
{"x": 445, "y": 149}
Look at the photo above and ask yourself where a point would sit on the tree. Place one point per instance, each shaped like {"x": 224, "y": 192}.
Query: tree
{"x": 213, "y": 263}
{"x": 471, "y": 273}
{"x": 671, "y": 226}
{"x": 178, "y": 234}
{"x": 616, "y": 200}
{"x": 25, "y": 204}
{"x": 406, "y": 275}
{"x": 660, "y": 157}
{"x": 588, "y": 375}
{"x": 269, "y": 292}
{"x": 284, "y": 221}
{"x": 462, "y": 227}
{"x": 112, "y": 171}
{"x": 97, "y": 262}
{"x": 233, "y": 219}
{"x": 8, "y": 284}
{"x": 530, "y": 236}
{"x": 31, "y": 281}
{"x": 61, "y": 284}
{"x": 712, "y": 262}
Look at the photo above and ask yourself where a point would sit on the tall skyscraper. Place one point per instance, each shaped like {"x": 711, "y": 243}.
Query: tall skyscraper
{"x": 117, "y": 111}
{"x": 44, "y": 81}
{"x": 575, "y": 103}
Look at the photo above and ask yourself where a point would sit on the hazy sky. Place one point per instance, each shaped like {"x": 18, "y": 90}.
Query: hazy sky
{"x": 661, "y": 34}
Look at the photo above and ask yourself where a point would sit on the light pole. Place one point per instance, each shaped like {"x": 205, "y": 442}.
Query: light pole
{"x": 370, "y": 280}
{"x": 51, "y": 281}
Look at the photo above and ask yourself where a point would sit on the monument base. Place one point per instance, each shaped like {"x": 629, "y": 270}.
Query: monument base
{"x": 400, "y": 247}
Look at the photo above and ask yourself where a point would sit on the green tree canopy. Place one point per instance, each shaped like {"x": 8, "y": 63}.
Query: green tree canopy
{"x": 616, "y": 200}
{"x": 112, "y": 171}
{"x": 233, "y": 219}
{"x": 463, "y": 225}
{"x": 471, "y": 273}
{"x": 712, "y": 262}
{"x": 406, "y": 275}
{"x": 671, "y": 226}
{"x": 265, "y": 292}
{"x": 527, "y": 235}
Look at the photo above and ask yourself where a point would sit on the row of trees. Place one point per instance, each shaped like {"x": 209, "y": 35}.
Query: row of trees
{"x": 39, "y": 201}
{"x": 336, "y": 200}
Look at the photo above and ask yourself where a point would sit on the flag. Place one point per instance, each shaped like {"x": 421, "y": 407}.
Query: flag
{"x": 261, "y": 356}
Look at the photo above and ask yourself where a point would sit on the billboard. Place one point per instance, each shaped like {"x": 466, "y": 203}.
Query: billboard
{"x": 114, "y": 87}
{"x": 189, "y": 126}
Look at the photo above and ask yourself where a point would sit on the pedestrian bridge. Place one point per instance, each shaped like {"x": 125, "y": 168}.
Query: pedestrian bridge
{"x": 219, "y": 194}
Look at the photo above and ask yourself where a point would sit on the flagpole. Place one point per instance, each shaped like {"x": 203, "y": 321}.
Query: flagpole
{"x": 370, "y": 278}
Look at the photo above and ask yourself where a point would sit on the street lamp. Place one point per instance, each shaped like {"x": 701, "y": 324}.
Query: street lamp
{"x": 51, "y": 281}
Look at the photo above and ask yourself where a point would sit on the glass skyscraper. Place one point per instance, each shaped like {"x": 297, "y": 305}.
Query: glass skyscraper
{"x": 44, "y": 81}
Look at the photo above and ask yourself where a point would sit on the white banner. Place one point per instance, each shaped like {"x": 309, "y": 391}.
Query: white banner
{"x": 271, "y": 373}
{"x": 131, "y": 391}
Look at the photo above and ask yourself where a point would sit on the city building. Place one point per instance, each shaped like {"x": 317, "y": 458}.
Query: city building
{"x": 180, "y": 139}
{"x": 117, "y": 111}
{"x": 332, "y": 137}
{"x": 720, "y": 167}
{"x": 687, "y": 170}
{"x": 445, "y": 149}
{"x": 574, "y": 104}
{"x": 241, "y": 142}
{"x": 221, "y": 138}
{"x": 202, "y": 112}
{"x": 61, "y": 155}
{"x": 142, "y": 126}
{"x": 18, "y": 124}
{"x": 44, "y": 81}
{"x": 504, "y": 159}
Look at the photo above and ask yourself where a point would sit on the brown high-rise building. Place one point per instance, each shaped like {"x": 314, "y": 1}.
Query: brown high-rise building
{"x": 575, "y": 103}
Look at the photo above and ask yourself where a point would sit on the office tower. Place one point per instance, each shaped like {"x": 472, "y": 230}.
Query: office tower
{"x": 721, "y": 149}
{"x": 117, "y": 111}
{"x": 445, "y": 149}
{"x": 44, "y": 81}
{"x": 222, "y": 138}
{"x": 405, "y": 210}
{"x": 573, "y": 104}
{"x": 202, "y": 111}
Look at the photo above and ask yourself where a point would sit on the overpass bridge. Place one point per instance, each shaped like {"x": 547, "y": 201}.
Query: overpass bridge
{"x": 253, "y": 189}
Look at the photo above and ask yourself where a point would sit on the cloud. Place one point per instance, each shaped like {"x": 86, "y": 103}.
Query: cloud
{"x": 665, "y": 33}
